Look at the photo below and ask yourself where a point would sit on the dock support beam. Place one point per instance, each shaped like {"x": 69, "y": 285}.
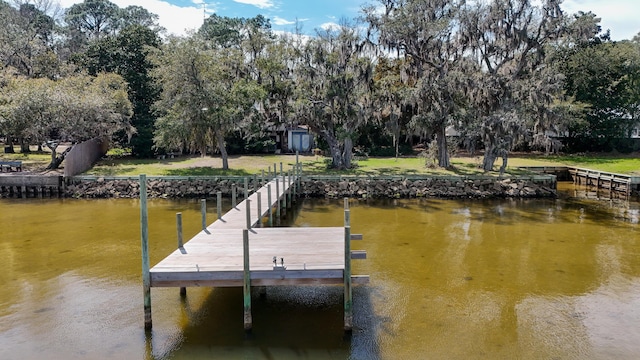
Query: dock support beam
{"x": 348, "y": 295}
{"x": 248, "y": 321}
{"x": 144, "y": 237}
{"x": 219, "y": 204}
{"x": 183, "y": 290}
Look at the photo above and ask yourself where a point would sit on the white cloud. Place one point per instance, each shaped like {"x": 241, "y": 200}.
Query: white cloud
{"x": 329, "y": 26}
{"x": 277, "y": 20}
{"x": 262, "y": 4}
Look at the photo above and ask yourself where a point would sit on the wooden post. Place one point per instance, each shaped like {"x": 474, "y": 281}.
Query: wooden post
{"x": 348, "y": 295}
{"x": 289, "y": 192}
{"x": 183, "y": 290}
{"x": 295, "y": 183}
{"x": 179, "y": 227}
{"x": 269, "y": 204}
{"x": 246, "y": 188}
{"x": 255, "y": 183}
{"x": 144, "y": 237}
{"x": 261, "y": 177}
{"x": 203, "y": 213}
{"x": 248, "y": 321}
{"x": 284, "y": 196}
{"x": 281, "y": 170}
{"x": 219, "y": 204}
{"x": 259, "y": 224}
{"x": 269, "y": 172}
{"x": 275, "y": 170}
{"x": 248, "y": 213}
{"x": 234, "y": 199}
{"x": 277, "y": 198}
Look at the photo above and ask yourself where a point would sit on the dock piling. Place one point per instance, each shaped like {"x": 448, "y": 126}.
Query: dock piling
{"x": 234, "y": 196}
{"x": 246, "y": 188}
{"x": 259, "y": 224}
{"x": 248, "y": 213}
{"x": 203, "y": 212}
{"x": 278, "y": 199}
{"x": 219, "y": 204}
{"x": 144, "y": 238}
{"x": 255, "y": 183}
{"x": 348, "y": 294}
{"x": 248, "y": 321}
{"x": 269, "y": 201}
{"x": 183, "y": 290}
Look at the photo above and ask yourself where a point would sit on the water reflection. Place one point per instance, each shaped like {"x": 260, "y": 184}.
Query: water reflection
{"x": 465, "y": 279}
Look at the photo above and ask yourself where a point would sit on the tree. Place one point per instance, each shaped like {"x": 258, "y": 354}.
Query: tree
{"x": 604, "y": 75}
{"x": 425, "y": 32}
{"x": 94, "y": 18}
{"x": 508, "y": 41}
{"x": 72, "y": 109}
{"x": 335, "y": 80}
{"x": 205, "y": 94}
{"x": 126, "y": 54}
{"x": 27, "y": 40}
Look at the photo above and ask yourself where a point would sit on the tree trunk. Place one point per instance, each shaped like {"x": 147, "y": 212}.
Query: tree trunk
{"x": 57, "y": 160}
{"x": 489, "y": 158}
{"x": 443, "y": 153}
{"x": 505, "y": 159}
{"x": 334, "y": 147}
{"x": 8, "y": 149}
{"x": 223, "y": 151}
{"x": 24, "y": 146}
{"x": 348, "y": 152}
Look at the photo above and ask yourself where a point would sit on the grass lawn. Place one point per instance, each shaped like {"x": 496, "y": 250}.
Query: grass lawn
{"x": 254, "y": 164}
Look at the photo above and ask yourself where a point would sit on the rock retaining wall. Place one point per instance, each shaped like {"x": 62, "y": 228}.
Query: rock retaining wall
{"x": 331, "y": 188}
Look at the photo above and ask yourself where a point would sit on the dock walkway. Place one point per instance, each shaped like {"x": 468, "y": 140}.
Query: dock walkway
{"x": 234, "y": 251}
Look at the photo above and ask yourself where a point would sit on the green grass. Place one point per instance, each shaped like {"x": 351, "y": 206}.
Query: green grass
{"x": 115, "y": 164}
{"x": 31, "y": 161}
{"x": 249, "y": 165}
{"x": 615, "y": 164}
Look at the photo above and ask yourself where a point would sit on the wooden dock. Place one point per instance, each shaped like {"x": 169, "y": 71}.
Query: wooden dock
{"x": 605, "y": 180}
{"x": 234, "y": 251}
{"x": 612, "y": 182}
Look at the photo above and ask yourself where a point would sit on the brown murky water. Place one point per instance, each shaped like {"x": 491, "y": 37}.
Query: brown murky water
{"x": 500, "y": 279}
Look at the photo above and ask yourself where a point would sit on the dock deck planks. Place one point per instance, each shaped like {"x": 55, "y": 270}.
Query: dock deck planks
{"x": 311, "y": 255}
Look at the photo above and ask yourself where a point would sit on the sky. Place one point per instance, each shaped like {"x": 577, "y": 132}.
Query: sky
{"x": 622, "y": 17}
